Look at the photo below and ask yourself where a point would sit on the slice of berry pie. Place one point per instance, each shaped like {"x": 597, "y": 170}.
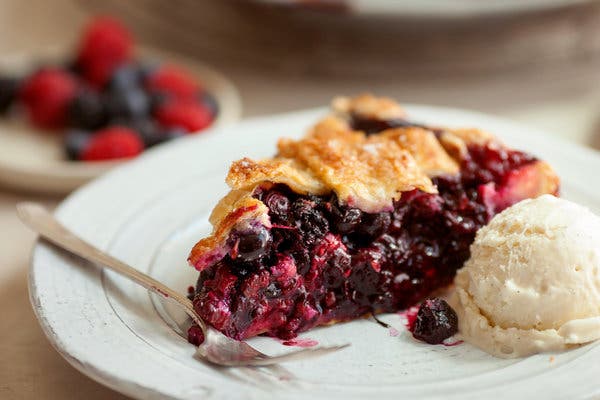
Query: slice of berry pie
{"x": 368, "y": 213}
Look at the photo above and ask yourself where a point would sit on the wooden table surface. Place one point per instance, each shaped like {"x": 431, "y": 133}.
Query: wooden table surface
{"x": 31, "y": 369}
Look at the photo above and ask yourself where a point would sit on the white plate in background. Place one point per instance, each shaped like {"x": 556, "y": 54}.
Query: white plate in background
{"x": 33, "y": 160}
{"x": 430, "y": 8}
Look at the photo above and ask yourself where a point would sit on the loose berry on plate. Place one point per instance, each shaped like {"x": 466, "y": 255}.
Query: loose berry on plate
{"x": 105, "y": 45}
{"x": 174, "y": 82}
{"x": 8, "y": 92}
{"x": 76, "y": 140}
{"x": 87, "y": 110}
{"x": 195, "y": 335}
{"x": 436, "y": 321}
{"x": 115, "y": 142}
{"x": 127, "y": 104}
{"x": 46, "y": 95}
{"x": 188, "y": 115}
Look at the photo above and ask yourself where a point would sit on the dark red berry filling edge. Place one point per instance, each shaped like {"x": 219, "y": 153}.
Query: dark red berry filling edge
{"x": 322, "y": 262}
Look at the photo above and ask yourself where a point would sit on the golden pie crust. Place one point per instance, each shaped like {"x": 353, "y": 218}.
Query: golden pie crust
{"x": 368, "y": 172}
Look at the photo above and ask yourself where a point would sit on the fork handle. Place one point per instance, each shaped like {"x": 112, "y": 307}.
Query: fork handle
{"x": 41, "y": 221}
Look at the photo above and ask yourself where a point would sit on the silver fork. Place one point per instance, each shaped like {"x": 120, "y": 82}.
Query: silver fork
{"x": 217, "y": 348}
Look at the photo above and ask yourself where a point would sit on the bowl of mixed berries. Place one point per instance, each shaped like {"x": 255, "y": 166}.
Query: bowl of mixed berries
{"x": 103, "y": 101}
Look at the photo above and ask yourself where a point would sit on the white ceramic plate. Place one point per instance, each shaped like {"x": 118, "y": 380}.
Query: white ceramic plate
{"x": 434, "y": 8}
{"x": 151, "y": 211}
{"x": 33, "y": 160}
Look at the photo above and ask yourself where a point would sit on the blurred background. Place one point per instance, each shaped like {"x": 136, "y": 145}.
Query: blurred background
{"x": 533, "y": 61}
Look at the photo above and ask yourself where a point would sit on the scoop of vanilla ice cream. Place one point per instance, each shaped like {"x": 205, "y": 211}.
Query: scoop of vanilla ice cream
{"x": 532, "y": 283}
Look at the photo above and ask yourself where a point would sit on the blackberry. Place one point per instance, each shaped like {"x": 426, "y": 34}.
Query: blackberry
{"x": 87, "y": 111}
{"x": 311, "y": 222}
{"x": 8, "y": 92}
{"x": 436, "y": 321}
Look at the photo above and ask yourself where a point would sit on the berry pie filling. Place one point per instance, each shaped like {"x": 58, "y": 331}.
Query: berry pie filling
{"x": 317, "y": 261}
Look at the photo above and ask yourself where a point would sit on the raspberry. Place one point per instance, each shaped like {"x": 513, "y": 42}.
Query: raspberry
{"x": 188, "y": 115}
{"x": 173, "y": 81}
{"x": 112, "y": 143}
{"x": 105, "y": 45}
{"x": 46, "y": 95}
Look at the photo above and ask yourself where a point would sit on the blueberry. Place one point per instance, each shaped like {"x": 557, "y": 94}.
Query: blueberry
{"x": 337, "y": 265}
{"x": 210, "y": 102}
{"x": 146, "y": 69}
{"x": 278, "y": 205}
{"x": 436, "y": 321}
{"x": 460, "y": 223}
{"x": 87, "y": 110}
{"x": 345, "y": 220}
{"x": 125, "y": 78}
{"x": 8, "y": 92}
{"x": 363, "y": 283}
{"x": 148, "y": 130}
{"x": 128, "y": 104}
{"x": 374, "y": 225}
{"x": 250, "y": 246}
{"x": 75, "y": 142}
